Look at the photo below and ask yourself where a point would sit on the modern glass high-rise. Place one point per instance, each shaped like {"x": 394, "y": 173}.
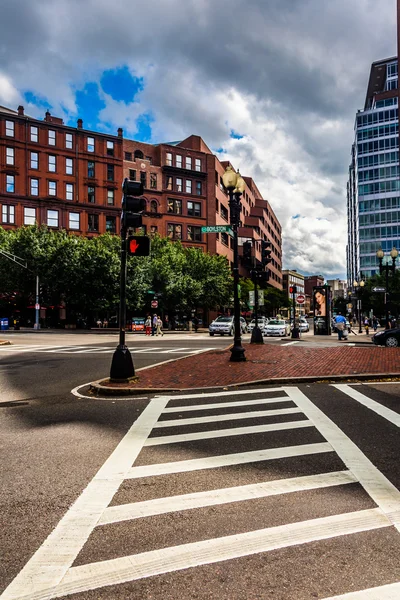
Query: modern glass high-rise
{"x": 373, "y": 197}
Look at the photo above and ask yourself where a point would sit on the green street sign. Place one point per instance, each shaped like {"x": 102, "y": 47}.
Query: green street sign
{"x": 216, "y": 229}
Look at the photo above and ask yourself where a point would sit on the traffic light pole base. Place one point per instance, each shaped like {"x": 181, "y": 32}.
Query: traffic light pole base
{"x": 237, "y": 352}
{"x": 122, "y": 368}
{"x": 295, "y": 332}
{"x": 256, "y": 336}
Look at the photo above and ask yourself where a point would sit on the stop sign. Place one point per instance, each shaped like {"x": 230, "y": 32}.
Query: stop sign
{"x": 154, "y": 304}
{"x": 300, "y": 299}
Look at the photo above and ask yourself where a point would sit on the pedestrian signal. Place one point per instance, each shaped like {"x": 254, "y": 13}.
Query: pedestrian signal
{"x": 138, "y": 245}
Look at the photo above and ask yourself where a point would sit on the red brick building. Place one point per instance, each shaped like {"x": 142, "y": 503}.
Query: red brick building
{"x": 61, "y": 176}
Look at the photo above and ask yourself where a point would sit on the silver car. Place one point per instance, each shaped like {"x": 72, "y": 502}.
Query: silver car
{"x": 277, "y": 327}
{"x": 262, "y": 321}
{"x": 226, "y": 325}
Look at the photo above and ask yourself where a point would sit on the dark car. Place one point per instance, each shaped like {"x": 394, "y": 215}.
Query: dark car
{"x": 389, "y": 338}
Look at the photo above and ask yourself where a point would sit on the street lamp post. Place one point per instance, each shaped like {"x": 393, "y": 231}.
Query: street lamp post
{"x": 235, "y": 185}
{"x": 386, "y": 267}
{"x": 358, "y": 285}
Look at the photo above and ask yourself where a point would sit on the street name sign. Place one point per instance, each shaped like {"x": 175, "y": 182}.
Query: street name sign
{"x": 300, "y": 299}
{"x": 379, "y": 289}
{"x": 216, "y": 229}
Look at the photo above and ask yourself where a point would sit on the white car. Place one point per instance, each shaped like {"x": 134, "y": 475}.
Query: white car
{"x": 262, "y": 321}
{"x": 277, "y": 327}
{"x": 303, "y": 325}
{"x": 226, "y": 325}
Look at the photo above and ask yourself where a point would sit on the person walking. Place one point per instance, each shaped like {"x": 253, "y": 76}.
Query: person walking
{"x": 147, "y": 325}
{"x": 340, "y": 323}
{"x": 366, "y": 325}
{"x": 195, "y": 323}
{"x": 159, "y": 326}
{"x": 154, "y": 324}
{"x": 374, "y": 323}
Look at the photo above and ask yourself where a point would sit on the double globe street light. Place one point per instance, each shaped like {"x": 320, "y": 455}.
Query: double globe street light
{"x": 235, "y": 186}
{"x": 386, "y": 268}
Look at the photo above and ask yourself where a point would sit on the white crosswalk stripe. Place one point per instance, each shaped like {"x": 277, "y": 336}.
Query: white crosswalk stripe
{"x": 17, "y": 349}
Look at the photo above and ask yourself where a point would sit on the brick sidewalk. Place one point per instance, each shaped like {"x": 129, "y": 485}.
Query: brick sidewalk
{"x": 213, "y": 369}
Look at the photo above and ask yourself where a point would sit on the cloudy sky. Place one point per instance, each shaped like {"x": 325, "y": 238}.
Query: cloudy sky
{"x": 272, "y": 85}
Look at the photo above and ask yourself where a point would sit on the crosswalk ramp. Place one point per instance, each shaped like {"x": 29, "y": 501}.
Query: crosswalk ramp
{"x": 45, "y": 349}
{"x": 201, "y": 479}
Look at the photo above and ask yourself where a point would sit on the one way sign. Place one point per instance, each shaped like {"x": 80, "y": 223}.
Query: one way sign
{"x": 139, "y": 245}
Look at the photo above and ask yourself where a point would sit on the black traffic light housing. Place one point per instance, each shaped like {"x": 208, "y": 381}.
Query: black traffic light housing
{"x": 265, "y": 253}
{"x": 132, "y": 205}
{"x": 247, "y": 254}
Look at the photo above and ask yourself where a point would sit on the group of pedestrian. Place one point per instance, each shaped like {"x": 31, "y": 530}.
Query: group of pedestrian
{"x": 153, "y": 325}
{"x": 101, "y": 323}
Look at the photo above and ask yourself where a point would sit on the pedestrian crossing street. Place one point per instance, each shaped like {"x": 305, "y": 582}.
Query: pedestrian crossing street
{"x": 191, "y": 446}
{"x": 45, "y": 349}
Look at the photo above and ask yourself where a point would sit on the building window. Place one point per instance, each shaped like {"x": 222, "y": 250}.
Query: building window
{"x": 29, "y": 216}
{"x": 153, "y": 181}
{"x": 52, "y": 137}
{"x": 169, "y": 183}
{"x": 10, "y": 184}
{"x": 216, "y": 206}
{"x": 178, "y": 184}
{"x": 110, "y": 172}
{"x": 90, "y": 168}
{"x": 52, "y": 163}
{"x": 197, "y": 164}
{"x": 138, "y": 154}
{"x": 110, "y": 148}
{"x": 224, "y": 239}
{"x": 34, "y": 134}
{"x": 69, "y": 166}
{"x": 132, "y": 174}
{"x": 8, "y": 213}
{"x": 74, "y": 221}
{"x": 198, "y": 188}
{"x": 188, "y": 186}
{"x": 194, "y": 233}
{"x": 52, "y": 188}
{"x": 91, "y": 196}
{"x": 168, "y": 159}
{"x": 68, "y": 140}
{"x": 111, "y": 224}
{"x": 110, "y": 197}
{"x": 52, "y": 218}
{"x": 224, "y": 212}
{"x": 10, "y": 128}
{"x": 9, "y": 156}
{"x": 34, "y": 160}
{"x": 178, "y": 161}
{"x": 128, "y": 155}
{"x": 153, "y": 229}
{"x": 93, "y": 222}
{"x": 194, "y": 209}
{"x": 153, "y": 206}
{"x": 69, "y": 191}
{"x": 34, "y": 187}
{"x": 90, "y": 144}
{"x": 174, "y": 231}
{"x": 143, "y": 178}
{"x": 189, "y": 162}
{"x": 174, "y": 206}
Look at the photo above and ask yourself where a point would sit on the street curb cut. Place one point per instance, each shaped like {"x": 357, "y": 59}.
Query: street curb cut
{"x": 109, "y": 391}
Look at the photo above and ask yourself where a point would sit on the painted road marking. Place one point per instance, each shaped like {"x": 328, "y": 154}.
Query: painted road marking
{"x": 226, "y": 460}
{"x": 173, "y": 409}
{"x": 159, "y": 506}
{"x": 222, "y": 394}
{"x": 177, "y": 558}
{"x": 96, "y": 350}
{"x": 230, "y": 417}
{"x": 379, "y": 409}
{"x": 383, "y": 493}
{"x": 204, "y": 435}
{"x": 51, "y": 561}
{"x": 383, "y": 592}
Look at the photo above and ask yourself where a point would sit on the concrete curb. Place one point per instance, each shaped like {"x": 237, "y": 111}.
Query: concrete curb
{"x": 101, "y": 390}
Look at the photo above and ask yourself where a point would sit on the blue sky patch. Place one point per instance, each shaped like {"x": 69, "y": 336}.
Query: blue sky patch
{"x": 37, "y": 100}
{"x": 235, "y": 135}
{"x": 89, "y": 104}
{"x": 143, "y": 123}
{"x": 121, "y": 85}
{"x": 296, "y": 216}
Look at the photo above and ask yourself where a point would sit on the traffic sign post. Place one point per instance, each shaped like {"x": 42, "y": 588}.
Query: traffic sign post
{"x": 379, "y": 289}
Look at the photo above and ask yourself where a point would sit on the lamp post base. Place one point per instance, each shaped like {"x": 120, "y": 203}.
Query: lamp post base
{"x": 295, "y": 332}
{"x": 122, "y": 367}
{"x": 237, "y": 353}
{"x": 256, "y": 336}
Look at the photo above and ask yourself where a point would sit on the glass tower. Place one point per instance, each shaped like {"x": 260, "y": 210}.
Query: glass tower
{"x": 373, "y": 190}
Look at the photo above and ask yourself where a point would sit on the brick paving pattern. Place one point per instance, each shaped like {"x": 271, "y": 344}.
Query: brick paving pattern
{"x": 214, "y": 369}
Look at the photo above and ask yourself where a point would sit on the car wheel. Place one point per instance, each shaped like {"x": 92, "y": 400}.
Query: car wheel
{"x": 391, "y": 342}
{"x": 211, "y": 333}
{"x": 230, "y": 332}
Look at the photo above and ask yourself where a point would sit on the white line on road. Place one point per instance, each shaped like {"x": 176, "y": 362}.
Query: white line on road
{"x": 229, "y": 417}
{"x": 383, "y": 493}
{"x": 159, "y": 506}
{"x": 173, "y": 409}
{"x": 205, "y": 435}
{"x": 384, "y": 592}
{"x": 379, "y": 409}
{"x": 176, "y": 558}
{"x": 222, "y": 394}
{"x": 291, "y": 343}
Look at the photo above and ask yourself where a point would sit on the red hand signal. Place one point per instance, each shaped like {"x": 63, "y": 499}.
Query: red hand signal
{"x": 133, "y": 246}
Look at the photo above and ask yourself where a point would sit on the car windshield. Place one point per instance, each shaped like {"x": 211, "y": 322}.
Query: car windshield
{"x": 276, "y": 322}
{"x": 223, "y": 320}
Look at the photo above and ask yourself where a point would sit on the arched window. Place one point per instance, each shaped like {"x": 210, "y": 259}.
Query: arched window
{"x": 153, "y": 206}
{"x": 138, "y": 154}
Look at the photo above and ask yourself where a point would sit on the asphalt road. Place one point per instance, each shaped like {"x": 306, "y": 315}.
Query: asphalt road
{"x": 285, "y": 493}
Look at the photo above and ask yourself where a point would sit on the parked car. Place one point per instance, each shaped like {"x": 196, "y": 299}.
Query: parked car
{"x": 389, "y": 338}
{"x": 262, "y": 321}
{"x": 277, "y": 327}
{"x": 223, "y": 325}
{"x": 303, "y": 325}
